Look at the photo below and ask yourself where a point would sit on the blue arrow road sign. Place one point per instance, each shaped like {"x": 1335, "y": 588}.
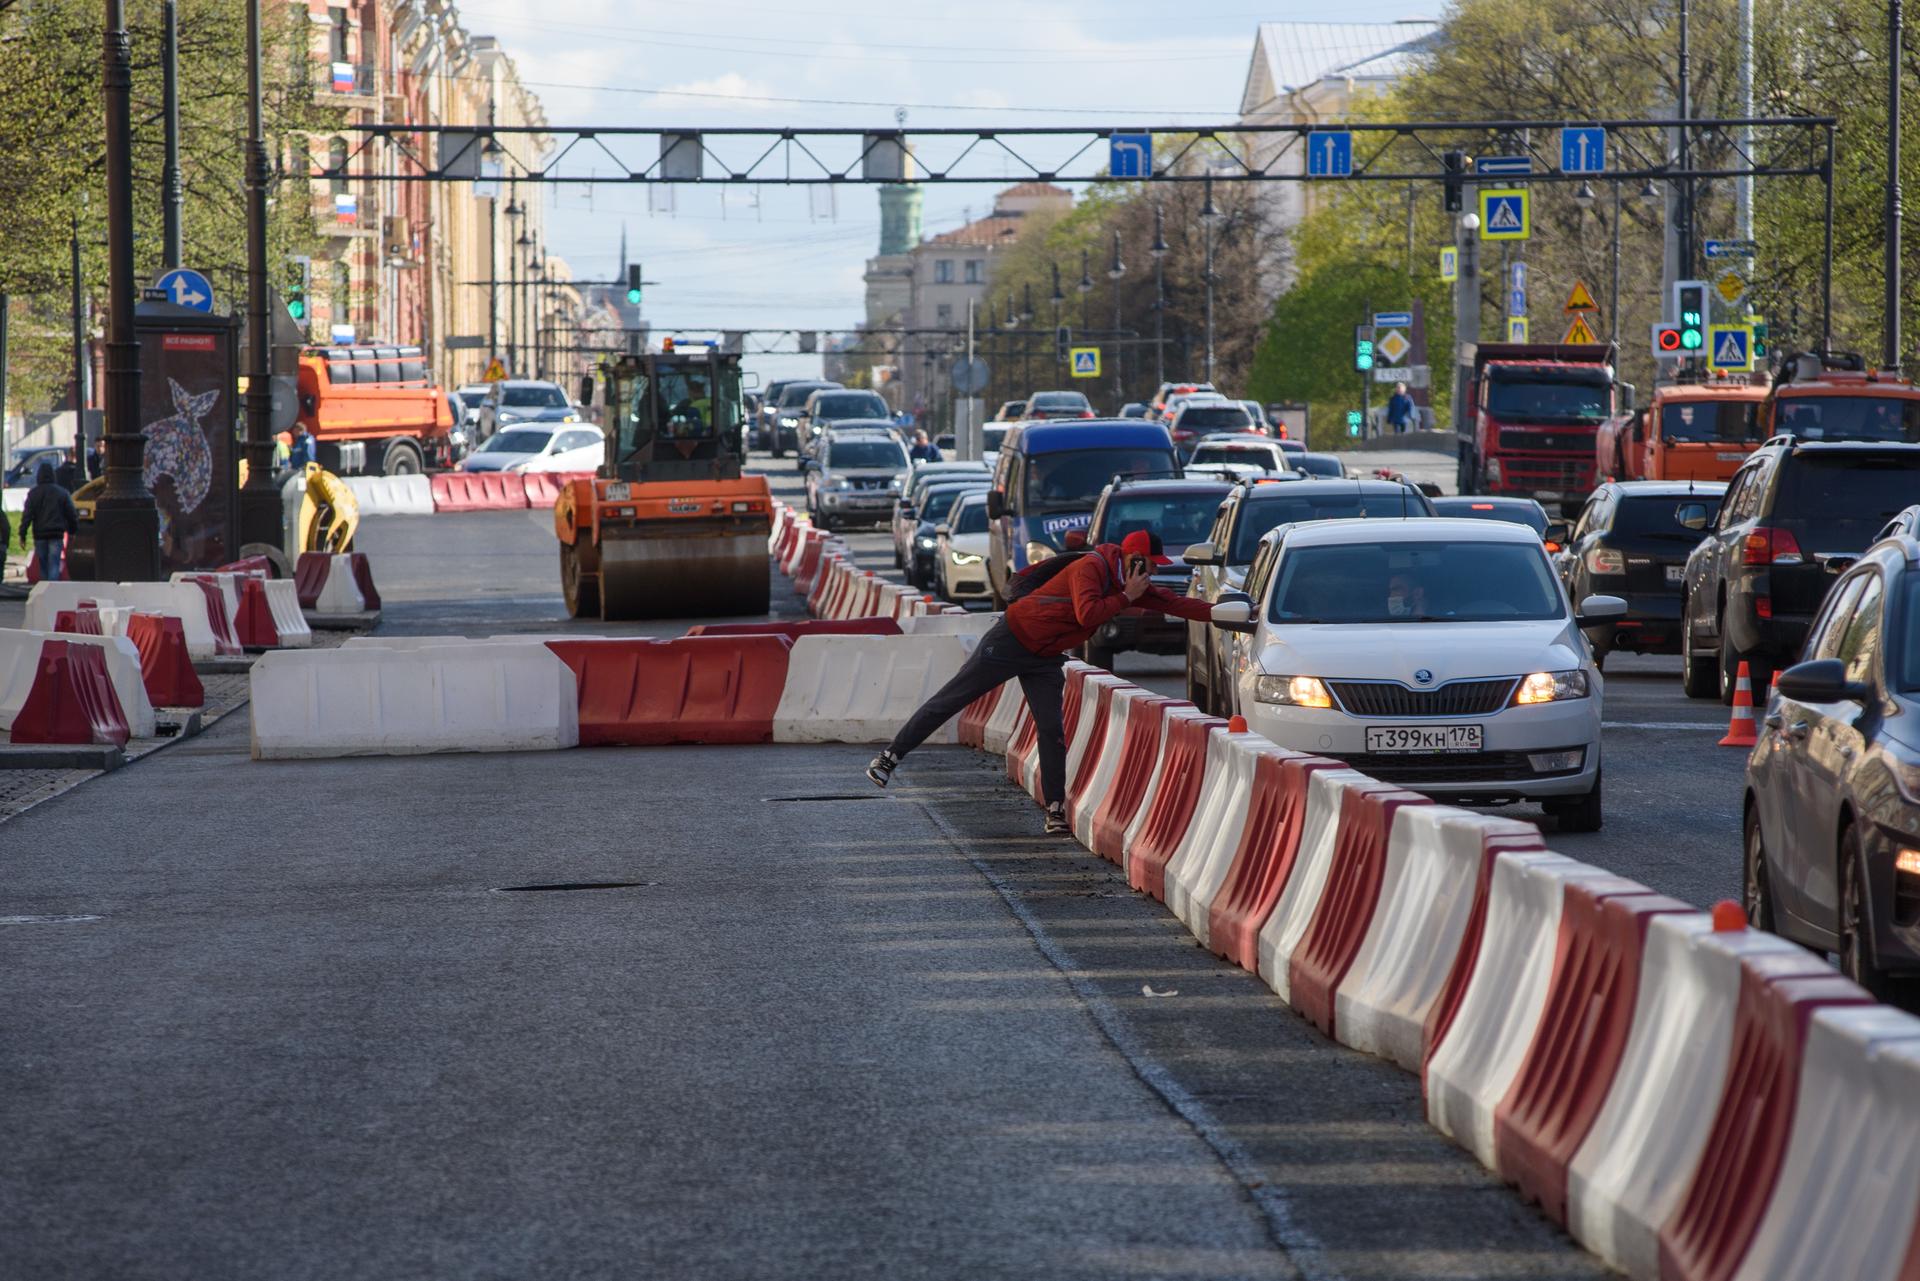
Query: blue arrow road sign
{"x": 1502, "y": 166}
{"x": 1392, "y": 319}
{"x": 187, "y": 288}
{"x": 1731, "y": 248}
{"x": 1583, "y": 150}
{"x": 1330, "y": 154}
{"x": 1130, "y": 155}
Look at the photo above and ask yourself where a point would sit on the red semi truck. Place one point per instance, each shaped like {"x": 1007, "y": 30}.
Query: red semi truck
{"x": 1532, "y": 411}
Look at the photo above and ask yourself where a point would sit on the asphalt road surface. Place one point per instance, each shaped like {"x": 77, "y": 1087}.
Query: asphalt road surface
{"x": 308, "y": 1029}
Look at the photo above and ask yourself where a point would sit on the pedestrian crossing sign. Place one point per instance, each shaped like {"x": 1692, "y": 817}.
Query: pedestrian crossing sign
{"x": 1730, "y": 348}
{"x": 1086, "y": 362}
{"x": 1516, "y": 329}
{"x": 1505, "y": 214}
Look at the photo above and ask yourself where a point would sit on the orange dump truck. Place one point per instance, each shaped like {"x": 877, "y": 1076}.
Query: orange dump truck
{"x": 375, "y": 409}
{"x": 1701, "y": 430}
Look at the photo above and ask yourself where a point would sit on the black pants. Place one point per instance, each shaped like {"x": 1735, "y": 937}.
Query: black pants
{"x": 999, "y": 658}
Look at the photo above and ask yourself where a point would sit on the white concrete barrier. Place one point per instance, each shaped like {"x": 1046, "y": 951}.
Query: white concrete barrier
{"x": 1084, "y": 739}
{"x": 1005, "y": 721}
{"x": 1434, "y": 856}
{"x": 1473, "y": 1067}
{"x": 392, "y": 495}
{"x": 949, "y": 624}
{"x": 1152, "y": 793}
{"x": 1085, "y": 805}
{"x": 229, "y": 589}
{"x": 289, "y": 622}
{"x": 1301, "y": 898}
{"x": 859, "y": 689}
{"x": 184, "y": 601}
{"x": 1200, "y": 866}
{"x": 1628, "y": 1175}
{"x": 1849, "y": 1184}
{"x": 499, "y": 697}
{"x": 19, "y": 664}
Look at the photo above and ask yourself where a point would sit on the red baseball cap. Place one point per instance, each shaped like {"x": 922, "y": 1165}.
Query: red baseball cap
{"x": 1144, "y": 542}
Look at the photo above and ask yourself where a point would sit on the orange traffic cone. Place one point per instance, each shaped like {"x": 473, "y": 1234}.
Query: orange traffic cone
{"x": 1740, "y": 729}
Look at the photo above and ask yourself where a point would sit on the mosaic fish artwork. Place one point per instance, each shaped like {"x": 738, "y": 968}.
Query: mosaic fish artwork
{"x": 177, "y": 448}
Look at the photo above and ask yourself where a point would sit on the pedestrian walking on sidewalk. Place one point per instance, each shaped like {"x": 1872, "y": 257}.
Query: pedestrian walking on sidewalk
{"x": 1400, "y": 409}
{"x": 48, "y": 518}
{"x": 1052, "y": 607}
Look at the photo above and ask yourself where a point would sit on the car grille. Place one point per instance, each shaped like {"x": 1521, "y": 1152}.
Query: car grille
{"x": 1389, "y": 698}
{"x": 1466, "y": 767}
{"x": 871, "y": 482}
{"x": 1548, "y": 441}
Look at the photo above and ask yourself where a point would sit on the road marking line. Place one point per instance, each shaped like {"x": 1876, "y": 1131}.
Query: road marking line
{"x": 1662, "y": 725}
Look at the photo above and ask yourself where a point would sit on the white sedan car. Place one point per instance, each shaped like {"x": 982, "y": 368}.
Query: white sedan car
{"x": 539, "y": 447}
{"x": 960, "y": 555}
{"x": 1439, "y": 654}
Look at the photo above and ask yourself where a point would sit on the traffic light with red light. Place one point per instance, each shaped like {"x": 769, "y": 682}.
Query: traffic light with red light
{"x": 1668, "y": 342}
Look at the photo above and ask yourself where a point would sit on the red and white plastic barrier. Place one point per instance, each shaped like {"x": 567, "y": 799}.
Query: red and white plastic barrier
{"x": 201, "y": 611}
{"x": 335, "y": 583}
{"x": 58, "y": 690}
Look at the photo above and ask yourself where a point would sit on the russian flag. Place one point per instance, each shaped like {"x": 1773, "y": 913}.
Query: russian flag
{"x": 343, "y": 77}
{"x": 346, "y": 210}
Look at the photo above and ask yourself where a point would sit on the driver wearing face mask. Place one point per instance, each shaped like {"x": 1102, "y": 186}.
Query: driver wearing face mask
{"x": 1405, "y": 597}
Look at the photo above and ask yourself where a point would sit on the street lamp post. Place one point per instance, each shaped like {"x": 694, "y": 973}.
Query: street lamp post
{"x": 1026, "y": 346}
{"x": 1209, "y": 216}
{"x": 1159, "y": 251}
{"x": 260, "y": 504}
{"x": 514, "y": 214}
{"x": 1115, "y": 270}
{"x": 126, "y": 523}
{"x": 1086, "y": 289}
{"x": 536, "y": 269}
{"x": 1890, "y": 340}
{"x": 172, "y": 189}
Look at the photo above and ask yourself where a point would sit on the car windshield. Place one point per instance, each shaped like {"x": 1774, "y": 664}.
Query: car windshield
{"x": 1058, "y": 400}
{"x": 1438, "y": 582}
{"x": 852, "y": 404}
{"x": 534, "y": 397}
{"x": 517, "y": 441}
{"x": 1909, "y": 662}
{"x": 1179, "y": 519}
{"x": 1851, "y": 418}
{"x": 1319, "y": 465}
{"x": 970, "y": 518}
{"x": 1562, "y": 396}
{"x": 1074, "y": 478}
{"x": 867, "y": 453}
{"x": 1532, "y": 517}
{"x": 794, "y": 395}
{"x": 1012, "y": 409}
{"x": 1729, "y": 422}
{"x": 474, "y": 393}
{"x": 1214, "y": 418}
{"x": 1648, "y": 516}
{"x": 1261, "y": 514}
{"x": 991, "y": 438}
{"x": 938, "y": 498}
{"x": 1239, "y": 455}
{"x": 1837, "y": 502}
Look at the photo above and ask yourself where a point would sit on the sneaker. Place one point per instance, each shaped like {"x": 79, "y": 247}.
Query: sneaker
{"x": 1057, "y": 824}
{"x": 882, "y": 767}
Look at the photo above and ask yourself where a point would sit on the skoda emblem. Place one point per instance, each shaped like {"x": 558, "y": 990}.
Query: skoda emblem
{"x": 1423, "y": 676}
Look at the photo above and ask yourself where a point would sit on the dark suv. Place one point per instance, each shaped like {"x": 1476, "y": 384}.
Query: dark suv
{"x": 1181, "y": 512}
{"x": 1795, "y": 516}
{"x": 1832, "y": 801}
{"x": 1632, "y": 541}
{"x": 1244, "y": 516}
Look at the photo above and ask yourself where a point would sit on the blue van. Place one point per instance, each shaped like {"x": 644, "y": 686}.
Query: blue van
{"x": 1050, "y": 476}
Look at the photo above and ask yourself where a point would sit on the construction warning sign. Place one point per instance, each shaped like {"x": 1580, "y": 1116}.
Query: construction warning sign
{"x": 1580, "y": 330}
{"x": 496, "y": 372}
{"x": 1581, "y": 299}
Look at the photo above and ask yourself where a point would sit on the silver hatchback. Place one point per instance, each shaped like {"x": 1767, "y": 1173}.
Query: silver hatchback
{"x": 854, "y": 477}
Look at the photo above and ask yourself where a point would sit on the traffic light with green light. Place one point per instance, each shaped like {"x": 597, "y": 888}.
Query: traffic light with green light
{"x": 1690, "y": 314}
{"x": 297, "y": 290}
{"x": 633, "y": 283}
{"x": 1363, "y": 347}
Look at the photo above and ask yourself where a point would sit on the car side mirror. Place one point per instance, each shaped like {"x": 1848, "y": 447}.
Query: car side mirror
{"x": 1557, "y": 535}
{"x": 586, "y": 390}
{"x": 1693, "y": 516}
{"x": 996, "y": 504}
{"x": 1599, "y": 609}
{"x": 1201, "y": 554}
{"x": 942, "y": 531}
{"x": 1628, "y": 392}
{"x": 1233, "y": 612}
{"x": 1075, "y": 540}
{"x": 1824, "y": 680}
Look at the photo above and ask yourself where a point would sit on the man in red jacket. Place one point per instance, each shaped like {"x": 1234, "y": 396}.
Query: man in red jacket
{"x": 1030, "y": 643}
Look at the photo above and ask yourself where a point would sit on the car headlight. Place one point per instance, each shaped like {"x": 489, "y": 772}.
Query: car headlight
{"x": 1292, "y": 691}
{"x": 506, "y": 416}
{"x": 839, "y": 482}
{"x": 514, "y": 467}
{"x": 923, "y": 540}
{"x": 571, "y": 418}
{"x": 789, "y": 422}
{"x": 965, "y": 558}
{"x": 1037, "y": 552}
{"x": 896, "y": 483}
{"x": 1550, "y": 687}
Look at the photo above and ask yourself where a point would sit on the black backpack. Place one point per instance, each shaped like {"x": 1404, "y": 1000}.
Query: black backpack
{"x": 1034, "y": 577}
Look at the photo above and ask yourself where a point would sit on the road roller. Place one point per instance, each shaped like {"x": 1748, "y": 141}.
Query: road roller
{"x": 668, "y": 527}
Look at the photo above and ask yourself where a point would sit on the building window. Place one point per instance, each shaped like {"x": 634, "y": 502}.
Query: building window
{"x": 976, "y": 271}
{"x": 337, "y": 161}
{"x": 943, "y": 315}
{"x": 943, "y": 271}
{"x": 337, "y": 36}
{"x": 342, "y": 285}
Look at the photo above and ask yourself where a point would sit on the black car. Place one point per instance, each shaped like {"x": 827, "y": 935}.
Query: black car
{"x": 1632, "y": 541}
{"x": 1319, "y": 466}
{"x": 930, "y": 511}
{"x": 1795, "y": 515}
{"x": 1832, "y": 804}
{"x": 1246, "y": 514}
{"x": 783, "y": 411}
{"x": 1181, "y": 512}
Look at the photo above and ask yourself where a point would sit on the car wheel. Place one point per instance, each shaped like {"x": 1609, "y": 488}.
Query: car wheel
{"x": 1196, "y": 689}
{"x": 1756, "y": 894}
{"x": 1728, "y": 667}
{"x": 402, "y": 459}
{"x": 1580, "y": 814}
{"x": 1856, "y": 948}
{"x": 1699, "y": 674}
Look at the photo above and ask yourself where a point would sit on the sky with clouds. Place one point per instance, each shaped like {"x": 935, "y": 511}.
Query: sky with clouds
{"x": 792, "y": 257}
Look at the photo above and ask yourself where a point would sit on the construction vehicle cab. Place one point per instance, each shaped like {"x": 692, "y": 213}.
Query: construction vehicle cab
{"x": 668, "y": 528}
{"x": 1696, "y": 428}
